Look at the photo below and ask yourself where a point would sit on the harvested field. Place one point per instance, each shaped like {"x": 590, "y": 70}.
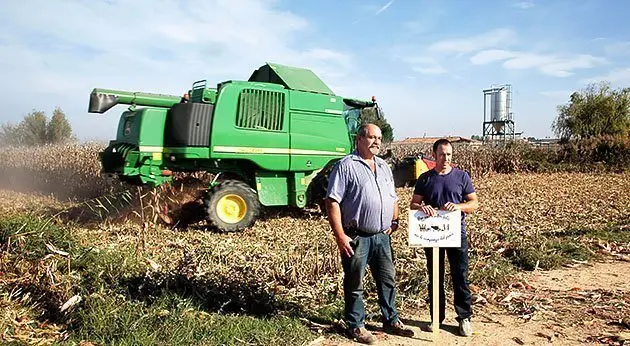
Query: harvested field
{"x": 288, "y": 263}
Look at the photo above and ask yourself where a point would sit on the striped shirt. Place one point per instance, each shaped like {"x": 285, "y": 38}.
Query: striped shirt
{"x": 366, "y": 198}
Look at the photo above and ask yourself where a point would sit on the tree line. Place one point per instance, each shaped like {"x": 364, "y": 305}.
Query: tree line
{"x": 597, "y": 111}
{"x": 36, "y": 129}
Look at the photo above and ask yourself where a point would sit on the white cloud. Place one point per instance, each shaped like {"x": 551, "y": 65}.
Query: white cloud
{"x": 430, "y": 18}
{"x": 491, "y": 39}
{"x": 384, "y": 7}
{"x": 64, "y": 49}
{"x": 557, "y": 65}
{"x": 370, "y": 10}
{"x": 524, "y": 5}
{"x": 522, "y": 61}
{"x": 490, "y": 56}
{"x": 430, "y": 69}
{"x": 563, "y": 67}
{"x": 618, "y": 48}
{"x": 423, "y": 64}
{"x": 485, "y": 50}
{"x": 619, "y": 76}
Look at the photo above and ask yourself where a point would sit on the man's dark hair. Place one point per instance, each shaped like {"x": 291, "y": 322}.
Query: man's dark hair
{"x": 441, "y": 141}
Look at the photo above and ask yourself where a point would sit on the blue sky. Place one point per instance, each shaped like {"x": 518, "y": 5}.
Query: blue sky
{"x": 427, "y": 62}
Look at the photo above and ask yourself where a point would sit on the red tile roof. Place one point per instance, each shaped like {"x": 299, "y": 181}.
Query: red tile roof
{"x": 431, "y": 140}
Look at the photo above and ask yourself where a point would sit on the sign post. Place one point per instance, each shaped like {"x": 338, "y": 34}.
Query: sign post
{"x": 442, "y": 230}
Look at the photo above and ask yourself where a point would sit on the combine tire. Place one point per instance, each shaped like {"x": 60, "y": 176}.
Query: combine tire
{"x": 232, "y": 206}
{"x": 319, "y": 187}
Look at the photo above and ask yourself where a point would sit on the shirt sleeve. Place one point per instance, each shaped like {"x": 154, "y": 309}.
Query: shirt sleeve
{"x": 468, "y": 185}
{"x": 337, "y": 183}
{"x": 392, "y": 186}
{"x": 420, "y": 187}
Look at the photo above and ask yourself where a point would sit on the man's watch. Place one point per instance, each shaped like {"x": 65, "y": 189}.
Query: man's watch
{"x": 395, "y": 222}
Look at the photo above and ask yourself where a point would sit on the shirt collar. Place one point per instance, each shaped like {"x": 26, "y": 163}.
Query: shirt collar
{"x": 355, "y": 156}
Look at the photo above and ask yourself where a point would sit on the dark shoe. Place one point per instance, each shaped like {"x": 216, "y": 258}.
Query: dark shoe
{"x": 399, "y": 329}
{"x": 430, "y": 327}
{"x": 362, "y": 335}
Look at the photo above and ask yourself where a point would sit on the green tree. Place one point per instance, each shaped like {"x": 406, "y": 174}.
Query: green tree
{"x": 597, "y": 110}
{"x": 59, "y": 129}
{"x": 7, "y": 134}
{"x": 368, "y": 115}
{"x": 35, "y": 129}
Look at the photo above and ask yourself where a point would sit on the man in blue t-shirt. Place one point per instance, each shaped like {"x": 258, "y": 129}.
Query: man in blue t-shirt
{"x": 448, "y": 188}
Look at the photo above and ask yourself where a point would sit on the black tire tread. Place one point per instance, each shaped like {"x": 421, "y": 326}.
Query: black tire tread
{"x": 236, "y": 187}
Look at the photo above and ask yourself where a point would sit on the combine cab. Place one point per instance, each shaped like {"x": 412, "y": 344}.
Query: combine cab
{"x": 269, "y": 141}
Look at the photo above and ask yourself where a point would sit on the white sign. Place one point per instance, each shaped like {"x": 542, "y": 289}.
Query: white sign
{"x": 443, "y": 230}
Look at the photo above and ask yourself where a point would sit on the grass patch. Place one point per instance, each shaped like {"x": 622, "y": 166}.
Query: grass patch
{"x": 547, "y": 253}
{"x": 552, "y": 250}
{"x": 122, "y": 303}
{"x": 326, "y": 314}
{"x": 28, "y": 235}
{"x": 618, "y": 232}
{"x": 105, "y": 268}
{"x": 494, "y": 271}
{"x": 171, "y": 320}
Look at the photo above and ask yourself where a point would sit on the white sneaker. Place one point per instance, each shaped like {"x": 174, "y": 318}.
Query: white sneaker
{"x": 465, "y": 327}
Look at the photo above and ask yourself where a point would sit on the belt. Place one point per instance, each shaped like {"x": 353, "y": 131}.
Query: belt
{"x": 352, "y": 231}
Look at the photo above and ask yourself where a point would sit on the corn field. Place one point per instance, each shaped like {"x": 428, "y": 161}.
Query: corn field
{"x": 289, "y": 258}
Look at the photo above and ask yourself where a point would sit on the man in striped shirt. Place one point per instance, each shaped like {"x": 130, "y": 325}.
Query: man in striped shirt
{"x": 362, "y": 210}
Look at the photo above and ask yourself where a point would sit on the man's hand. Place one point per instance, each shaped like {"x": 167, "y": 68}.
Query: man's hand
{"x": 427, "y": 209}
{"x": 450, "y": 206}
{"x": 343, "y": 243}
{"x": 392, "y": 228}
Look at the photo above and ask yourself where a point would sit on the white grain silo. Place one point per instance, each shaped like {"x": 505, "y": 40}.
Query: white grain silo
{"x": 497, "y": 116}
{"x": 499, "y": 108}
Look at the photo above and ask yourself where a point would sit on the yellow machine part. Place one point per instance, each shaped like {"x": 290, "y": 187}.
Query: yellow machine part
{"x": 420, "y": 167}
{"x": 231, "y": 208}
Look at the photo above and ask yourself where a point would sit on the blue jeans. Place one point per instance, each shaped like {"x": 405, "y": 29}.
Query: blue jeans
{"x": 458, "y": 260}
{"x": 375, "y": 251}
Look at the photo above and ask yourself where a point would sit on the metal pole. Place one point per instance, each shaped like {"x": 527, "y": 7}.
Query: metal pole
{"x": 436, "y": 293}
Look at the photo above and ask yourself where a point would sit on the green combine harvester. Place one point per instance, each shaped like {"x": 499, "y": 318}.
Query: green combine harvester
{"x": 269, "y": 141}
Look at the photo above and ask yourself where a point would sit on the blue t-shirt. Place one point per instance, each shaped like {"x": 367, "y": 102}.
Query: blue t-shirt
{"x": 438, "y": 189}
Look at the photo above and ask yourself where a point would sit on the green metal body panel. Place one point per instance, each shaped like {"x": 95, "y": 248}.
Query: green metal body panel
{"x": 318, "y": 130}
{"x": 276, "y": 131}
{"x": 297, "y": 190}
{"x": 267, "y": 149}
{"x": 281, "y": 188}
{"x": 142, "y": 131}
{"x": 294, "y": 78}
{"x": 190, "y": 153}
{"x": 272, "y": 187}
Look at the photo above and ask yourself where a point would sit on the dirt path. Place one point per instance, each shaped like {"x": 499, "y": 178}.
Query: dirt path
{"x": 566, "y": 312}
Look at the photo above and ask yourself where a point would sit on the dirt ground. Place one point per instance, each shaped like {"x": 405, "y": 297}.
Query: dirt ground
{"x": 560, "y": 322}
